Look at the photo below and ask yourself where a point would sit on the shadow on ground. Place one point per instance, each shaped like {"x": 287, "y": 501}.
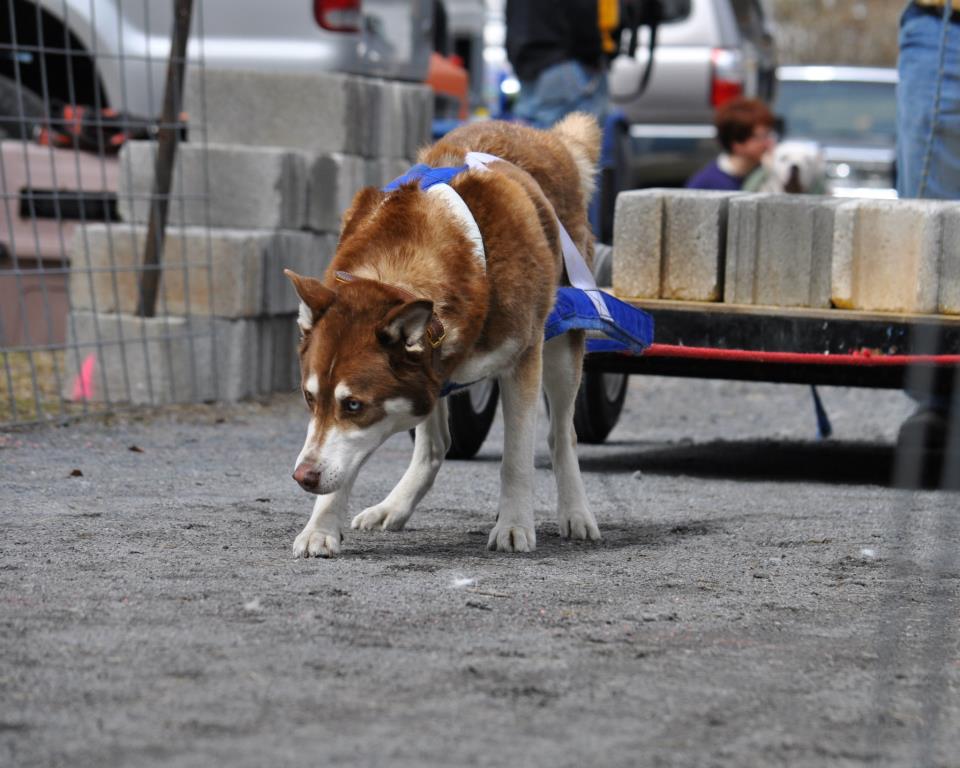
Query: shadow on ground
{"x": 825, "y": 462}
{"x": 468, "y": 545}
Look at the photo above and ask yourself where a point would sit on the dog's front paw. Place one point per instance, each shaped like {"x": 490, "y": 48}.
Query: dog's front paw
{"x": 381, "y": 516}
{"x": 313, "y": 542}
{"x": 512, "y": 538}
{"x": 580, "y": 525}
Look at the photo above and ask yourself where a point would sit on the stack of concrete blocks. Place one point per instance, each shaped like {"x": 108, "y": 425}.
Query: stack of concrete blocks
{"x": 788, "y": 251}
{"x": 272, "y": 163}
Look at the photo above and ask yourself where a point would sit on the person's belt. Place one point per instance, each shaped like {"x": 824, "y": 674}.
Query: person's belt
{"x": 935, "y": 8}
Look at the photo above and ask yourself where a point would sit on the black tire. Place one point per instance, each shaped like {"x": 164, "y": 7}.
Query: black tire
{"x": 601, "y": 395}
{"x": 21, "y": 110}
{"x": 603, "y": 264}
{"x": 599, "y": 403}
{"x": 470, "y": 414}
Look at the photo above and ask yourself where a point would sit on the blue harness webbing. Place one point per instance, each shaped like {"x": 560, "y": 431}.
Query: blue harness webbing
{"x": 621, "y": 326}
{"x": 426, "y": 175}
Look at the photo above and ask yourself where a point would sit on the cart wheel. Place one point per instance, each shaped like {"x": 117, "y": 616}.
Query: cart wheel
{"x": 599, "y": 403}
{"x": 470, "y": 414}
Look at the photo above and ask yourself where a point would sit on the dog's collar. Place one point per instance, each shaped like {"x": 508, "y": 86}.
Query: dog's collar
{"x": 435, "y": 332}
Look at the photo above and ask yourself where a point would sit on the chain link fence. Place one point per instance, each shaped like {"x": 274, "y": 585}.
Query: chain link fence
{"x": 155, "y": 184}
{"x": 68, "y": 257}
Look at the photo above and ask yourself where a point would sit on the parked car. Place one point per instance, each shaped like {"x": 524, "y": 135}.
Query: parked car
{"x": 851, "y": 113}
{"x": 113, "y": 54}
{"x": 707, "y": 52}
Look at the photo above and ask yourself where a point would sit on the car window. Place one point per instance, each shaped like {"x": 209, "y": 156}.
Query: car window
{"x": 675, "y": 10}
{"x": 832, "y": 112}
{"x": 749, "y": 17}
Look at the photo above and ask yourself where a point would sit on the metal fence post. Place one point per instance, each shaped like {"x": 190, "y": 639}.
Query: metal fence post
{"x": 166, "y": 155}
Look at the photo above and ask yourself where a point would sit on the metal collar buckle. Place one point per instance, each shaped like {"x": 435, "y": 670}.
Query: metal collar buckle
{"x": 435, "y": 342}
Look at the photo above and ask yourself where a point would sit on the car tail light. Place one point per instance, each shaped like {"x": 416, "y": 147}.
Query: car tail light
{"x": 338, "y": 15}
{"x": 726, "y": 76}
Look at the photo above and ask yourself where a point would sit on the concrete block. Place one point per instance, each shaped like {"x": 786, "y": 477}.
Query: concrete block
{"x": 279, "y": 109}
{"x": 305, "y": 253}
{"x": 950, "y": 263}
{"x": 417, "y": 109}
{"x": 172, "y": 359}
{"x": 144, "y": 361}
{"x": 779, "y": 250}
{"x": 886, "y": 255}
{"x": 318, "y": 113}
{"x": 381, "y": 171}
{"x": 334, "y": 180}
{"x": 219, "y": 186}
{"x": 224, "y": 272}
{"x": 256, "y": 357}
{"x": 638, "y": 243}
{"x": 670, "y": 244}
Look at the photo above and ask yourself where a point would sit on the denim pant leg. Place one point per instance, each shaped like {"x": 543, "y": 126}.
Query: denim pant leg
{"x": 558, "y": 91}
{"x": 928, "y": 107}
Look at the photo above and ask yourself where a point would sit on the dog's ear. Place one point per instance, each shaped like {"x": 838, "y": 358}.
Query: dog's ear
{"x": 364, "y": 203}
{"x": 406, "y": 323}
{"x": 315, "y": 299}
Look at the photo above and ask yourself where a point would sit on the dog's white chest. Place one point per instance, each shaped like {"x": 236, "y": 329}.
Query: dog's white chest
{"x": 486, "y": 364}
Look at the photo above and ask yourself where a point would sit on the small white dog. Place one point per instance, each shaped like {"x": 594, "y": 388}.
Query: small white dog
{"x": 796, "y": 167}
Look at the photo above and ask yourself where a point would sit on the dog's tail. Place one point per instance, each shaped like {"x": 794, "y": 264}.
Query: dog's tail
{"x": 581, "y": 135}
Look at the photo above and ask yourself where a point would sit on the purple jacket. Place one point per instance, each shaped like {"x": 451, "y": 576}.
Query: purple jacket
{"x": 711, "y": 177}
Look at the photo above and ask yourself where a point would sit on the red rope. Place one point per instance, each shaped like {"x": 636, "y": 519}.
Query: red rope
{"x": 862, "y": 357}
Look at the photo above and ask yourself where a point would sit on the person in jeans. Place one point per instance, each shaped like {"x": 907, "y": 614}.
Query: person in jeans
{"x": 928, "y": 161}
{"x": 928, "y": 101}
{"x": 559, "y": 52}
{"x": 745, "y": 133}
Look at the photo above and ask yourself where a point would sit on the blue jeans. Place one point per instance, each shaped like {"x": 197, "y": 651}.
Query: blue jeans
{"x": 928, "y": 107}
{"x": 559, "y": 90}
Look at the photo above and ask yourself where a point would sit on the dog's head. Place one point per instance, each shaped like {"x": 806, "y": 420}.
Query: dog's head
{"x": 367, "y": 373}
{"x": 796, "y": 167}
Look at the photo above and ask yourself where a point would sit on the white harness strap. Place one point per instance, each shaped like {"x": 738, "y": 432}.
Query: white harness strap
{"x": 578, "y": 272}
{"x": 461, "y": 211}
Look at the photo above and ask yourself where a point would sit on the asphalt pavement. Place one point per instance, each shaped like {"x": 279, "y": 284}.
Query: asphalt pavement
{"x": 760, "y": 598}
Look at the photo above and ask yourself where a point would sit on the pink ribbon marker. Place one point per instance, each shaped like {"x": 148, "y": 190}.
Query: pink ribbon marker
{"x": 83, "y": 383}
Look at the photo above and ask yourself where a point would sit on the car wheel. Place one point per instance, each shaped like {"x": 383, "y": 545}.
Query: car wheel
{"x": 599, "y": 403}
{"x": 20, "y": 110}
{"x": 601, "y": 395}
{"x": 470, "y": 415}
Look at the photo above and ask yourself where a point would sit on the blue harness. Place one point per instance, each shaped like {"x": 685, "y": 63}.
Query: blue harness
{"x": 614, "y": 325}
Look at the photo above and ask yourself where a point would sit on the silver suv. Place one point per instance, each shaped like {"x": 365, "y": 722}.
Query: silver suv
{"x": 112, "y": 53}
{"x": 706, "y": 52}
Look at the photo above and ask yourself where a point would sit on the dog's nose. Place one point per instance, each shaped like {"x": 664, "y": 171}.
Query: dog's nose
{"x": 307, "y": 476}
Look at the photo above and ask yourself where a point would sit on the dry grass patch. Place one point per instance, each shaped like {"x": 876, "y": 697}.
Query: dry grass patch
{"x": 31, "y": 386}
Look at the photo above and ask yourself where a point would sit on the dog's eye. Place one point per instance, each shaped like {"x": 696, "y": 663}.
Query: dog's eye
{"x": 352, "y": 405}
{"x": 311, "y": 400}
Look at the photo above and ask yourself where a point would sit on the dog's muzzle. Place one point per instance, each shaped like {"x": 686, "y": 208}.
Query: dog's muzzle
{"x": 308, "y": 477}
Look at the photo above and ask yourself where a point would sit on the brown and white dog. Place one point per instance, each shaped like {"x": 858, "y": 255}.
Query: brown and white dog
{"x": 424, "y": 290}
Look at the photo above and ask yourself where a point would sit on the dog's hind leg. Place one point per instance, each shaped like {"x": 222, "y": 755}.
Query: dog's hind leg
{"x": 431, "y": 442}
{"x": 562, "y": 362}
{"x": 321, "y": 535}
{"x": 519, "y": 392}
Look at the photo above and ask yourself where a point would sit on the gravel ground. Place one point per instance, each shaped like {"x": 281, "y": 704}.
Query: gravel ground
{"x": 759, "y": 598}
